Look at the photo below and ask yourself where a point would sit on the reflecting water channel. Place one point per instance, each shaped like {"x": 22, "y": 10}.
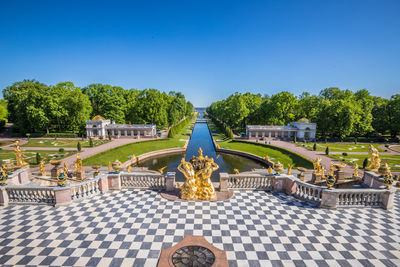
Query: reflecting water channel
{"x": 201, "y": 138}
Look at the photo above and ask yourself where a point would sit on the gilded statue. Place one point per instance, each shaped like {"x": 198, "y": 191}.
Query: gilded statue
{"x": 236, "y": 171}
{"x": 374, "y": 159}
{"x": 65, "y": 168}
{"x": 289, "y": 169}
{"x": 19, "y": 156}
{"x": 42, "y": 167}
{"x": 269, "y": 170}
{"x": 109, "y": 166}
{"x": 189, "y": 188}
{"x": 317, "y": 166}
{"x": 278, "y": 167}
{"x": 129, "y": 168}
{"x": 355, "y": 174}
{"x": 78, "y": 164}
{"x": 322, "y": 172}
{"x": 331, "y": 170}
{"x": 3, "y": 176}
{"x": 198, "y": 173}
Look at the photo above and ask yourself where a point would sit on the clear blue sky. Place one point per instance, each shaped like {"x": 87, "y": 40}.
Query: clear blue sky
{"x": 205, "y": 49}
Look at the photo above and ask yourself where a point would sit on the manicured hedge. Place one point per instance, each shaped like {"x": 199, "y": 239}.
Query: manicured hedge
{"x": 178, "y": 128}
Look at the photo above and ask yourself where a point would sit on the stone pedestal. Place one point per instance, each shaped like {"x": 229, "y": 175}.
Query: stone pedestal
{"x": 80, "y": 175}
{"x": 290, "y": 186}
{"x": 279, "y": 184}
{"x": 54, "y": 172}
{"x": 103, "y": 185}
{"x": 23, "y": 176}
{"x": 388, "y": 199}
{"x": 114, "y": 181}
{"x": 339, "y": 176}
{"x": 63, "y": 196}
{"x": 329, "y": 199}
{"x": 223, "y": 182}
{"x": 170, "y": 181}
{"x": 316, "y": 178}
{"x": 300, "y": 176}
{"x": 3, "y": 197}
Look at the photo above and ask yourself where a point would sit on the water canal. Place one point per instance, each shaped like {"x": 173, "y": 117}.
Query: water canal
{"x": 201, "y": 138}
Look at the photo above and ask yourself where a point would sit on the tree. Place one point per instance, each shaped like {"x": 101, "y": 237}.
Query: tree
{"x": 79, "y": 147}
{"x": 365, "y": 163}
{"x": 90, "y": 142}
{"x": 315, "y": 147}
{"x": 327, "y": 150}
{"x": 394, "y": 114}
{"x": 38, "y": 158}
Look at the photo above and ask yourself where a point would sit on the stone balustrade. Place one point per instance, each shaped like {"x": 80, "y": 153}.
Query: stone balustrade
{"x": 31, "y": 195}
{"x": 308, "y": 192}
{"x": 86, "y": 188}
{"x": 151, "y": 181}
{"x": 250, "y": 181}
{"x": 317, "y": 195}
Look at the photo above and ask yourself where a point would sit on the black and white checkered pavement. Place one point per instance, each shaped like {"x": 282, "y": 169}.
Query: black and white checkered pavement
{"x": 130, "y": 228}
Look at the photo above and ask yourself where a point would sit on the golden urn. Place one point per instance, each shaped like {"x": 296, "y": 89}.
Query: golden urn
{"x": 117, "y": 166}
{"x": 55, "y": 163}
{"x": 96, "y": 168}
{"x": 278, "y": 167}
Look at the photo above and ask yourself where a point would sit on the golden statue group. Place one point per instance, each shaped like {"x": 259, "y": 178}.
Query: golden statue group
{"x": 19, "y": 156}
{"x": 198, "y": 172}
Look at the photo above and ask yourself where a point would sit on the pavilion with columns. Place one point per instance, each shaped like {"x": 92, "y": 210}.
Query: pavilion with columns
{"x": 101, "y": 127}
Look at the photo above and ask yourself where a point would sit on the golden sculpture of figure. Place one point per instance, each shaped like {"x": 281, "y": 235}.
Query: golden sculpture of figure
{"x": 269, "y": 170}
{"x": 236, "y": 171}
{"x": 109, "y": 166}
{"x": 129, "y": 168}
{"x": 206, "y": 190}
{"x": 322, "y": 172}
{"x": 65, "y": 168}
{"x": 331, "y": 170}
{"x": 78, "y": 164}
{"x": 19, "y": 156}
{"x": 267, "y": 158}
{"x": 189, "y": 188}
{"x": 317, "y": 166}
{"x": 42, "y": 168}
{"x": 289, "y": 169}
{"x": 355, "y": 174}
{"x": 374, "y": 159}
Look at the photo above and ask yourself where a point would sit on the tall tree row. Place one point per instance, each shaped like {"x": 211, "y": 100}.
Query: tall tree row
{"x": 338, "y": 113}
{"x": 35, "y": 107}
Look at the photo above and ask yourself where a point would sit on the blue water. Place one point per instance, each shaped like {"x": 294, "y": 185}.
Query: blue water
{"x": 201, "y": 138}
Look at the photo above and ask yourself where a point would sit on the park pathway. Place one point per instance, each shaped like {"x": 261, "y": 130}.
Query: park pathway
{"x": 88, "y": 152}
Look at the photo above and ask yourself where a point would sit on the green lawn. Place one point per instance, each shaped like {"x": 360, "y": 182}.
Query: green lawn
{"x": 392, "y": 160}
{"x": 31, "y": 155}
{"x": 341, "y": 147}
{"x": 37, "y": 142}
{"x": 274, "y": 153}
{"x": 121, "y": 153}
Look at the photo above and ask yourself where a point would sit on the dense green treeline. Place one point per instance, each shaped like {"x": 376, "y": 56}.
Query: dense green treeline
{"x": 338, "y": 113}
{"x": 35, "y": 107}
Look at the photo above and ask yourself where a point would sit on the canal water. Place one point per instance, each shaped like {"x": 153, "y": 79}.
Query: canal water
{"x": 201, "y": 138}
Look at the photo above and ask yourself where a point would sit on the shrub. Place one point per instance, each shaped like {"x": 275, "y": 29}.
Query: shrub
{"x": 314, "y": 147}
{"x": 61, "y": 150}
{"x": 101, "y": 137}
{"x": 345, "y": 154}
{"x": 365, "y": 163}
{"x": 38, "y": 158}
{"x": 60, "y": 135}
{"x": 79, "y": 146}
{"x": 90, "y": 142}
{"x": 109, "y": 137}
{"x": 386, "y": 145}
{"x": 327, "y": 150}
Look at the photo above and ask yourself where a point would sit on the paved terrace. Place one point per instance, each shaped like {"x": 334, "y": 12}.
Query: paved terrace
{"x": 130, "y": 228}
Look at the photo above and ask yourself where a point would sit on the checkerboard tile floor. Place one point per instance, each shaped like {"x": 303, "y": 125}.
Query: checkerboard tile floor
{"x": 130, "y": 228}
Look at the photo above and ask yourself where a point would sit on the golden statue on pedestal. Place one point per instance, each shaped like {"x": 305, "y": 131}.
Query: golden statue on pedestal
{"x": 19, "y": 156}
{"x": 198, "y": 172}
{"x": 78, "y": 164}
{"x": 355, "y": 174}
{"x": 317, "y": 166}
{"x": 375, "y": 161}
{"x": 42, "y": 167}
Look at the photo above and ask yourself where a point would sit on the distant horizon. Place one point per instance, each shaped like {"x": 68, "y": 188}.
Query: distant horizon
{"x": 205, "y": 49}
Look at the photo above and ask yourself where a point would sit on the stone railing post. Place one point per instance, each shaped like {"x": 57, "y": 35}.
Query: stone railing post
{"x": 329, "y": 199}
{"x": 103, "y": 184}
{"x": 279, "y": 183}
{"x": 339, "y": 176}
{"x": 223, "y": 182}
{"x": 315, "y": 178}
{"x": 114, "y": 181}
{"x": 290, "y": 186}
{"x": 3, "y": 196}
{"x": 63, "y": 196}
{"x": 170, "y": 181}
{"x": 388, "y": 199}
{"x": 23, "y": 176}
